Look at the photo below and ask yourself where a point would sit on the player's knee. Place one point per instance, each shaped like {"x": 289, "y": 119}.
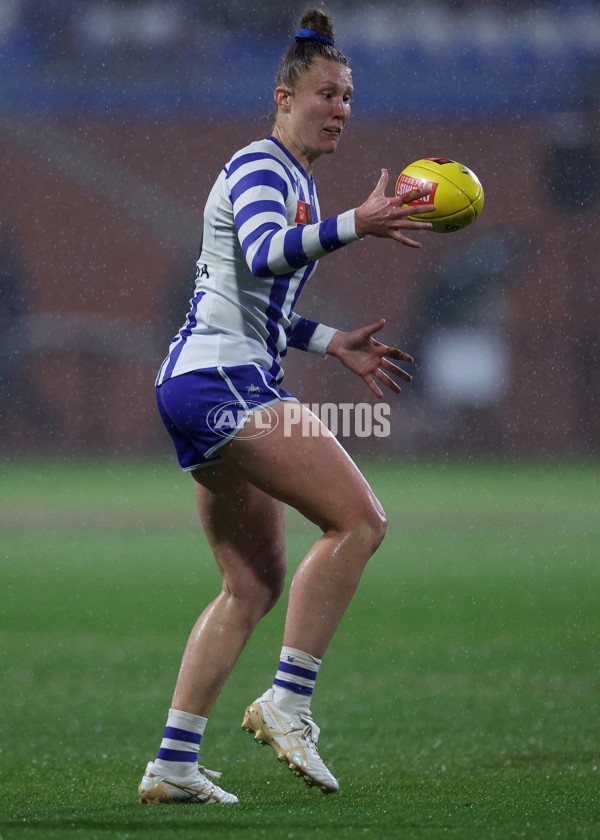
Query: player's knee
{"x": 367, "y": 524}
{"x": 381, "y": 528}
{"x": 272, "y": 585}
{"x": 259, "y": 587}
{"x": 271, "y": 570}
{"x": 376, "y": 524}
{"x": 260, "y": 599}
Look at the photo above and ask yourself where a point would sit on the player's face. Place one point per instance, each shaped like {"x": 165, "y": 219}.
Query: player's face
{"x": 316, "y": 112}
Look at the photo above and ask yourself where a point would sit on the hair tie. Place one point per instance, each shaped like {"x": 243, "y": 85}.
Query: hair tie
{"x": 311, "y": 35}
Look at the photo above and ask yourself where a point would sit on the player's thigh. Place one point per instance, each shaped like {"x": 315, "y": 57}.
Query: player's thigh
{"x": 309, "y": 471}
{"x": 245, "y": 528}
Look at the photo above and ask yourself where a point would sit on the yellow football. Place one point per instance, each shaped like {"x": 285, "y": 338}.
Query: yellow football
{"x": 456, "y": 192}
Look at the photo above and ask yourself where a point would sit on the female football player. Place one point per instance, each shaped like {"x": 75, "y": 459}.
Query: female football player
{"x": 263, "y": 236}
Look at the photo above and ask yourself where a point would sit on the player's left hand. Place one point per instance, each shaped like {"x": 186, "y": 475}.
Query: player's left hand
{"x": 369, "y": 358}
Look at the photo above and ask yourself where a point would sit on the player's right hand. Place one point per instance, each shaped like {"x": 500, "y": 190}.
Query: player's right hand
{"x": 386, "y": 217}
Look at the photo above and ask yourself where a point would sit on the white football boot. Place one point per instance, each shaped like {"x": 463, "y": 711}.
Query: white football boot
{"x": 158, "y": 787}
{"x": 293, "y": 737}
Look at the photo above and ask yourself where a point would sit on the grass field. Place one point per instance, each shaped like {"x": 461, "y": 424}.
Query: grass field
{"x": 459, "y": 699}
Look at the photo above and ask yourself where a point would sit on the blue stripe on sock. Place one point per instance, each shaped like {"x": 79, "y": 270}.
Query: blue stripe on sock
{"x": 297, "y": 689}
{"x": 182, "y": 735}
{"x": 176, "y": 755}
{"x": 297, "y": 671}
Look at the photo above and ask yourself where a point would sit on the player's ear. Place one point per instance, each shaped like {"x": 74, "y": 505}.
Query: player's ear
{"x": 283, "y": 98}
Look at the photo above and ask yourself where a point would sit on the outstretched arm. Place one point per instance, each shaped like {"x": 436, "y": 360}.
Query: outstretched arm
{"x": 386, "y": 217}
{"x": 274, "y": 244}
{"x": 366, "y": 356}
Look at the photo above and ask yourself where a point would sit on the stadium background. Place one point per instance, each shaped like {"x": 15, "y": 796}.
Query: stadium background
{"x": 115, "y": 118}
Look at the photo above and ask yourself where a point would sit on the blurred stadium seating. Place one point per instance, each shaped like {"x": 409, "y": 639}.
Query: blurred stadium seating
{"x": 153, "y": 57}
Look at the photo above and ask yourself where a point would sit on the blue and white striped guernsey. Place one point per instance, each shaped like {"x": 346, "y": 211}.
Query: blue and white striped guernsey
{"x": 262, "y": 238}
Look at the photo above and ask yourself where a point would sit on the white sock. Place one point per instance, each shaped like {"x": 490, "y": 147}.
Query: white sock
{"x": 295, "y": 680}
{"x": 178, "y": 754}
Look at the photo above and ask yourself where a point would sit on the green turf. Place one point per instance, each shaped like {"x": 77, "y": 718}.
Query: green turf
{"x": 460, "y": 697}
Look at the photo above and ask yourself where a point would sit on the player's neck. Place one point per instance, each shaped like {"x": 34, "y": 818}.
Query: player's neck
{"x": 306, "y": 162}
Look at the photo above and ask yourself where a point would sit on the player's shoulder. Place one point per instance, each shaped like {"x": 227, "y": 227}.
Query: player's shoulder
{"x": 260, "y": 154}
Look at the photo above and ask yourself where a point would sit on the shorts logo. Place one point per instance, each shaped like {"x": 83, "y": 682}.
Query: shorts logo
{"x": 226, "y": 418}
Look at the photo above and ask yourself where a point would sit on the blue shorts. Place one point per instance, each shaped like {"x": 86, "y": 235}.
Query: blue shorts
{"x": 203, "y": 410}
